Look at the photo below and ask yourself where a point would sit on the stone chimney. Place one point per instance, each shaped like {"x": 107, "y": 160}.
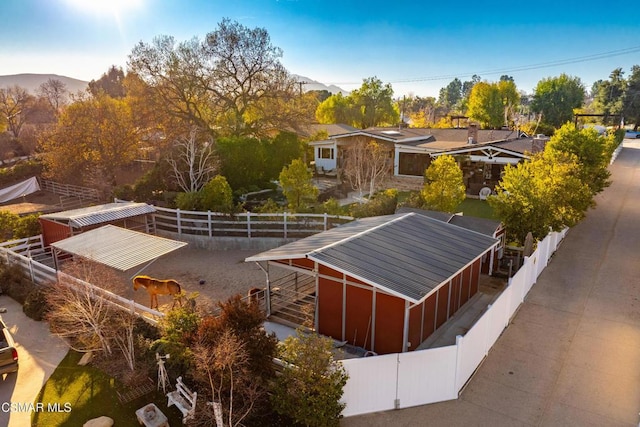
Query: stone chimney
{"x": 472, "y": 134}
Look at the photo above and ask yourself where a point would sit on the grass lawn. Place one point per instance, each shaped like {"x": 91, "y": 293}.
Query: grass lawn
{"x": 91, "y": 393}
{"x": 478, "y": 208}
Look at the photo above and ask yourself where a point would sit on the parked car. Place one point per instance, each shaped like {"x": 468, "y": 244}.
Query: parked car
{"x": 632, "y": 134}
{"x": 8, "y": 352}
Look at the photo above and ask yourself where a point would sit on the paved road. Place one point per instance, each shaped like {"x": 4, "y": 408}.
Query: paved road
{"x": 39, "y": 354}
{"x": 571, "y": 356}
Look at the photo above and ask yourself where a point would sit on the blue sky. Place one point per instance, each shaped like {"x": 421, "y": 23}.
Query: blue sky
{"x": 417, "y": 47}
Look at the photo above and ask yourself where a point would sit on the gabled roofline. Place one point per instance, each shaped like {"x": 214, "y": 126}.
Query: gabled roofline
{"x": 475, "y": 147}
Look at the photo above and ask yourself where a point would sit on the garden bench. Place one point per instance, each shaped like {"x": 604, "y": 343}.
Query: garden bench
{"x": 184, "y": 399}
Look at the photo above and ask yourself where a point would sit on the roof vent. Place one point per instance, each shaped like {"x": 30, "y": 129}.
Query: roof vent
{"x": 391, "y": 132}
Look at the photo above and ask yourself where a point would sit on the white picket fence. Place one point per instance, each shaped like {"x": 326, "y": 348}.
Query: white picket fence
{"x": 428, "y": 376}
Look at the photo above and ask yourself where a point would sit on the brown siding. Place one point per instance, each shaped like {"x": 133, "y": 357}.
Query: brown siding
{"x": 305, "y": 263}
{"x": 327, "y": 271}
{"x": 415, "y": 320}
{"x": 443, "y": 296}
{"x": 455, "y": 294}
{"x": 389, "y": 324}
{"x": 358, "y": 317}
{"x": 466, "y": 286}
{"x": 53, "y": 231}
{"x": 428, "y": 326}
{"x": 330, "y": 308}
{"x": 475, "y": 277}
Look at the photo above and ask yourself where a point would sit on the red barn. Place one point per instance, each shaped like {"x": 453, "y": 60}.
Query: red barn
{"x": 385, "y": 283}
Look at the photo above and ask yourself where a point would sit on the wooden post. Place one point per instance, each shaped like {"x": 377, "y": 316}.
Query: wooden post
{"x": 178, "y": 223}
{"x": 249, "y": 224}
{"x": 209, "y": 224}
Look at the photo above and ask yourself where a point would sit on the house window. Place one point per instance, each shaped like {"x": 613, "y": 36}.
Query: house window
{"x": 326, "y": 153}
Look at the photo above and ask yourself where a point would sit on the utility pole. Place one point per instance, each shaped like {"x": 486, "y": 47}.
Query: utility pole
{"x": 301, "y": 83}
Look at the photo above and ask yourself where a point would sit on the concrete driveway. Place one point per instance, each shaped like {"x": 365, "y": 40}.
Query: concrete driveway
{"x": 39, "y": 353}
{"x": 571, "y": 356}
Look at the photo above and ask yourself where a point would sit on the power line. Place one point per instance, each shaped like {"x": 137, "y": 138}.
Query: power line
{"x": 576, "y": 60}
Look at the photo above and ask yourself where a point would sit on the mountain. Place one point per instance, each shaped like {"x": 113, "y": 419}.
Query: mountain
{"x": 310, "y": 84}
{"x": 32, "y": 82}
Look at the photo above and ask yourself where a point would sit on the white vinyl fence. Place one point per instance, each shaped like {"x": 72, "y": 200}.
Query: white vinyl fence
{"x": 421, "y": 377}
{"x": 246, "y": 224}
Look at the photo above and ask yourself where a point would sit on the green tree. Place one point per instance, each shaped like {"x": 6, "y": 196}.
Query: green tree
{"x": 216, "y": 195}
{"x": 370, "y": 105}
{"x": 591, "y": 150}
{"x": 556, "y": 97}
{"x": 485, "y": 105}
{"x": 311, "y": 384}
{"x": 444, "y": 188}
{"x": 542, "y": 194}
{"x": 373, "y": 104}
{"x": 632, "y": 98}
{"x": 450, "y": 95}
{"x": 297, "y": 185}
{"x": 334, "y": 109}
{"x": 111, "y": 83}
{"x": 610, "y": 97}
{"x": 243, "y": 161}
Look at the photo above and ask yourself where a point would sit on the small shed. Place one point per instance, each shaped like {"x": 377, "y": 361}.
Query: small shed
{"x": 60, "y": 225}
{"x": 386, "y": 283}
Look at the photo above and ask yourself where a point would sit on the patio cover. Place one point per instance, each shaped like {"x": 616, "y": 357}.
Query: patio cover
{"x": 118, "y": 247}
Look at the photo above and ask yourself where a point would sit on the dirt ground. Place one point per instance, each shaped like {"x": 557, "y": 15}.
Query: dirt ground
{"x": 222, "y": 274}
{"x": 40, "y": 201}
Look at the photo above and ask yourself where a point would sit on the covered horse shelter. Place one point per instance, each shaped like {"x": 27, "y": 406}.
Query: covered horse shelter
{"x": 383, "y": 284}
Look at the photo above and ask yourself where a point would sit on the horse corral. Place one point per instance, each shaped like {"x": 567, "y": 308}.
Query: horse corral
{"x": 213, "y": 275}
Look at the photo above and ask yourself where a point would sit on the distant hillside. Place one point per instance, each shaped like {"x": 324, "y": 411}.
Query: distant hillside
{"x": 314, "y": 85}
{"x": 32, "y": 82}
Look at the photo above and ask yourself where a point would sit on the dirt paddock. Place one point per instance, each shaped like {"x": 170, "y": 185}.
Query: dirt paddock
{"x": 223, "y": 274}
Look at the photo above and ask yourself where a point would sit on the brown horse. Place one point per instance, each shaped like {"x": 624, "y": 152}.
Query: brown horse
{"x": 157, "y": 287}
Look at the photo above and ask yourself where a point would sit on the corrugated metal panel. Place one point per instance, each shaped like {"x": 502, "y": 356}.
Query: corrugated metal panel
{"x": 407, "y": 254}
{"x": 100, "y": 214}
{"x": 117, "y": 247}
{"x": 300, "y": 248}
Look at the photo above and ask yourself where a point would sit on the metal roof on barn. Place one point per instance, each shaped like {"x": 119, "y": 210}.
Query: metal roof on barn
{"x": 100, "y": 214}
{"x": 117, "y": 247}
{"x": 408, "y": 255}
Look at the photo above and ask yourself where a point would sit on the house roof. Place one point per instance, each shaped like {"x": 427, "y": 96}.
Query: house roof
{"x": 117, "y": 247}
{"x": 485, "y": 226}
{"x": 407, "y": 255}
{"x": 100, "y": 214}
{"x": 331, "y": 129}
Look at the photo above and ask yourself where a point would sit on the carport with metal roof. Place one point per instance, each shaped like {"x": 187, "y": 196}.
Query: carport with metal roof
{"x": 386, "y": 283}
{"x": 116, "y": 247}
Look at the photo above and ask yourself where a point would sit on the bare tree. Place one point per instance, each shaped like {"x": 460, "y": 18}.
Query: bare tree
{"x": 55, "y": 93}
{"x": 224, "y": 367}
{"x": 15, "y": 102}
{"x": 366, "y": 165}
{"x": 82, "y": 315}
{"x": 193, "y": 162}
